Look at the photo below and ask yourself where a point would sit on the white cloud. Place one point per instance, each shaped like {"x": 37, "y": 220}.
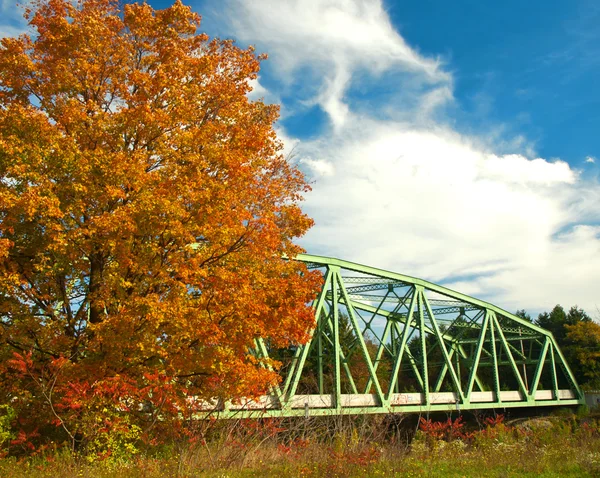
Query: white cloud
{"x": 516, "y": 168}
{"x": 413, "y": 181}
{"x": 563, "y": 270}
{"x": 434, "y": 206}
{"x": 590, "y": 159}
{"x": 258, "y": 90}
{"x": 409, "y": 193}
{"x": 319, "y": 167}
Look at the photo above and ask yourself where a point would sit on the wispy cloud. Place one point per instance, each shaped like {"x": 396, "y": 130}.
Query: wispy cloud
{"x": 590, "y": 159}
{"x": 329, "y": 42}
{"x": 580, "y": 54}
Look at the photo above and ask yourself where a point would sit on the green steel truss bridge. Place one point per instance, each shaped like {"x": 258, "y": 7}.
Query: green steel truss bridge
{"x": 389, "y": 343}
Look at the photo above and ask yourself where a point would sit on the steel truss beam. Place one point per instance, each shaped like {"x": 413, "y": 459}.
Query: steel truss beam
{"x": 389, "y": 351}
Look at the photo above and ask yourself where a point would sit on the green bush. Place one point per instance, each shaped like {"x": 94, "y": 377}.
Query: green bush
{"x": 7, "y": 415}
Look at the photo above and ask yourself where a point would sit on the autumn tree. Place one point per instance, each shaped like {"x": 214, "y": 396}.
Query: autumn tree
{"x": 569, "y": 329}
{"x": 583, "y": 352}
{"x": 145, "y": 207}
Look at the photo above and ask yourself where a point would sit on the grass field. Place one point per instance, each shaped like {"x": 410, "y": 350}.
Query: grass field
{"x": 552, "y": 446}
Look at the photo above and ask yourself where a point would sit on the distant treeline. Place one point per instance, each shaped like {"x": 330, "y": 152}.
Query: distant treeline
{"x": 578, "y": 336}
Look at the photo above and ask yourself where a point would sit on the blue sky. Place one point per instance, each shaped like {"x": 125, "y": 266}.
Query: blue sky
{"x": 454, "y": 141}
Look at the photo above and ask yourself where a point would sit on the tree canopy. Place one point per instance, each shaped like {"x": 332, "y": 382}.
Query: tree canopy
{"x": 557, "y": 320}
{"x": 145, "y": 206}
{"x": 583, "y": 348}
{"x": 578, "y": 336}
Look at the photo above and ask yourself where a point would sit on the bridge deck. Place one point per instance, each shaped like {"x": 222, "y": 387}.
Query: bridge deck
{"x": 315, "y": 405}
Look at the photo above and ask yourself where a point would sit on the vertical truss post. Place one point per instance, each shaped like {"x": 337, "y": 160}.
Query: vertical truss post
{"x": 336, "y": 339}
{"x": 524, "y": 359}
{"x": 320, "y": 357}
{"x": 494, "y": 356}
{"x": 457, "y": 358}
{"x": 554, "y": 376}
{"x": 423, "y": 337}
{"x": 475, "y": 364}
{"x": 394, "y": 347}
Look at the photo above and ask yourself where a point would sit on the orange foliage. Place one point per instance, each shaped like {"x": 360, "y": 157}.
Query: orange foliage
{"x": 145, "y": 207}
{"x": 448, "y": 430}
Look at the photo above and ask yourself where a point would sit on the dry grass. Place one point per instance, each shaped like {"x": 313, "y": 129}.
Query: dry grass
{"x": 374, "y": 446}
